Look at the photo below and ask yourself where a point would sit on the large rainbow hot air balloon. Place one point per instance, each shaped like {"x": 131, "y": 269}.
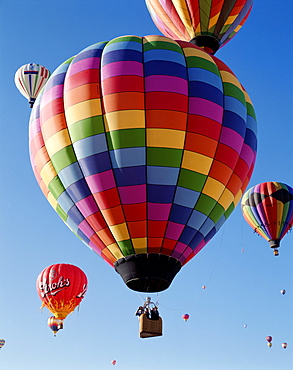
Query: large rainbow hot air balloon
{"x": 30, "y": 79}
{"x": 61, "y": 288}
{"x": 144, "y": 146}
{"x": 268, "y": 209}
{"x": 208, "y": 24}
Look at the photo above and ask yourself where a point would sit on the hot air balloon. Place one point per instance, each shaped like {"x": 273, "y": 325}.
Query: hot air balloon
{"x": 55, "y": 324}
{"x": 2, "y": 342}
{"x": 185, "y": 317}
{"x": 284, "y": 345}
{"x": 268, "y": 209}
{"x": 113, "y": 362}
{"x": 245, "y": 325}
{"x": 269, "y": 340}
{"x": 61, "y": 288}
{"x": 203, "y": 287}
{"x": 30, "y": 79}
{"x": 144, "y": 146}
{"x": 283, "y": 291}
{"x": 207, "y": 24}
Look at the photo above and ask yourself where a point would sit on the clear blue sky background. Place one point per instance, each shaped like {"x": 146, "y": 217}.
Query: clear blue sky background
{"x": 242, "y": 287}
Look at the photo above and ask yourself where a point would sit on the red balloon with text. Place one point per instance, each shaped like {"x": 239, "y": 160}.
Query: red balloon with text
{"x": 61, "y": 288}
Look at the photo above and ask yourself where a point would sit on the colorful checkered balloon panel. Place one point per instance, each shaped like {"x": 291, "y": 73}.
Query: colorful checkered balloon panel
{"x": 143, "y": 146}
{"x": 268, "y": 209}
{"x": 30, "y": 79}
{"x": 209, "y": 24}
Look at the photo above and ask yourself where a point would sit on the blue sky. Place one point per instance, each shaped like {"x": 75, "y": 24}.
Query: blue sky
{"x": 242, "y": 276}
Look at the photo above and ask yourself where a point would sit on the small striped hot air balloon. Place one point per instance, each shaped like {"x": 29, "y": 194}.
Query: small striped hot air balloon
{"x": 30, "y": 79}
{"x": 268, "y": 209}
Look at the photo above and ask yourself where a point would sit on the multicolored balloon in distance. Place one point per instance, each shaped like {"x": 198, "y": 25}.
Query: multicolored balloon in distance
{"x": 185, "y": 317}
{"x": 283, "y": 291}
{"x": 61, "y": 288}
{"x": 2, "y": 342}
{"x": 268, "y": 209}
{"x": 55, "y": 324}
{"x": 113, "y": 362}
{"x": 284, "y": 345}
{"x": 207, "y": 24}
{"x": 30, "y": 79}
{"x": 144, "y": 146}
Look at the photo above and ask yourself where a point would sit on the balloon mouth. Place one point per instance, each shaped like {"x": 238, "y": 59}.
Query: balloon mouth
{"x": 148, "y": 272}
{"x": 31, "y": 102}
{"x": 274, "y": 243}
{"x": 209, "y": 43}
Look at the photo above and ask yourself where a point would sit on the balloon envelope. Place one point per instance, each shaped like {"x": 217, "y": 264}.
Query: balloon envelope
{"x": 61, "y": 288}
{"x": 185, "y": 317}
{"x": 2, "y": 342}
{"x": 113, "y": 362}
{"x": 284, "y": 345}
{"x": 30, "y": 79}
{"x": 268, "y": 209}
{"x": 269, "y": 338}
{"x": 55, "y": 324}
{"x": 143, "y": 146}
{"x": 209, "y": 24}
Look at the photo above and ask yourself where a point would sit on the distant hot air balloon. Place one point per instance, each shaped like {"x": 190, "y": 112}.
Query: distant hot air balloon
{"x": 30, "y": 79}
{"x": 269, "y": 340}
{"x": 55, "y": 324}
{"x": 61, "y": 288}
{"x": 143, "y": 146}
{"x": 284, "y": 345}
{"x": 113, "y": 362}
{"x": 245, "y": 326}
{"x": 283, "y": 291}
{"x": 208, "y": 24}
{"x": 268, "y": 209}
{"x": 2, "y": 342}
{"x": 185, "y": 317}
{"x": 203, "y": 287}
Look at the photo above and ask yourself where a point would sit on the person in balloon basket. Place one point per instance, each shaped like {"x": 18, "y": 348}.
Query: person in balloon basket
{"x": 139, "y": 311}
{"x": 154, "y": 314}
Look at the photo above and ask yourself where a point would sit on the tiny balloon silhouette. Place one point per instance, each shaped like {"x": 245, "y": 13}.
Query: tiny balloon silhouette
{"x": 284, "y": 345}
{"x": 283, "y": 291}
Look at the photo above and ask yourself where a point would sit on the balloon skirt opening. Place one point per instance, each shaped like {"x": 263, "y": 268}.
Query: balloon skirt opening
{"x": 148, "y": 272}
{"x": 274, "y": 243}
{"x": 209, "y": 43}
